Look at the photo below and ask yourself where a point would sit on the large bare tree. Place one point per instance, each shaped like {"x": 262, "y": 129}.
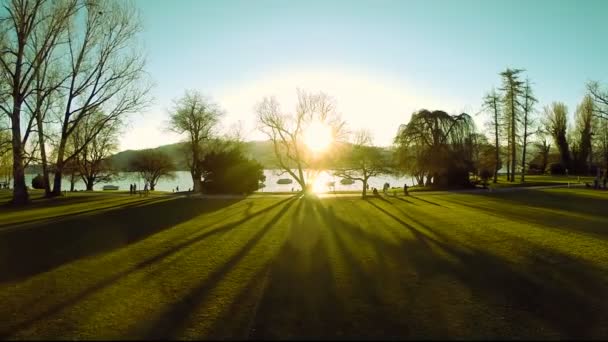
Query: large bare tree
{"x": 287, "y": 131}
{"x": 527, "y": 120}
{"x": 600, "y": 99}
{"x": 512, "y": 91}
{"x": 105, "y": 73}
{"x": 92, "y": 162}
{"x": 556, "y": 123}
{"x": 152, "y": 165}
{"x": 491, "y": 103}
{"x": 362, "y": 160}
{"x": 30, "y": 31}
{"x": 195, "y": 116}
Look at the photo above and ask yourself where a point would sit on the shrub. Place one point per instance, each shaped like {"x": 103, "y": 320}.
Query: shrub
{"x": 230, "y": 172}
{"x": 557, "y": 169}
{"x": 38, "y": 182}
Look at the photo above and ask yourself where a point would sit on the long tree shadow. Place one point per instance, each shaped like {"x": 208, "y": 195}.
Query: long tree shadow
{"x": 51, "y": 202}
{"x": 94, "y": 208}
{"x": 140, "y": 265}
{"x": 522, "y": 211}
{"x": 564, "y": 201}
{"x": 566, "y": 293}
{"x": 426, "y": 201}
{"x": 301, "y": 300}
{"x": 38, "y": 249}
{"x": 172, "y": 321}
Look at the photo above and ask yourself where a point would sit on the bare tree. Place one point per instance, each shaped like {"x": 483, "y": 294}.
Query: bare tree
{"x": 556, "y": 123}
{"x": 492, "y": 103}
{"x": 105, "y": 73}
{"x": 92, "y": 162}
{"x": 602, "y": 142}
{"x": 527, "y": 121}
{"x": 195, "y": 116}
{"x": 544, "y": 147}
{"x": 512, "y": 90}
{"x": 362, "y": 160}
{"x": 152, "y": 165}
{"x": 583, "y": 134}
{"x": 600, "y": 99}
{"x": 30, "y": 30}
{"x": 287, "y": 131}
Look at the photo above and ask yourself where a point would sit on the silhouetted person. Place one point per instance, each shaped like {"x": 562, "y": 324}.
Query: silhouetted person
{"x": 177, "y": 188}
{"x": 375, "y": 191}
{"x": 130, "y": 189}
{"x": 405, "y": 190}
{"x": 134, "y": 188}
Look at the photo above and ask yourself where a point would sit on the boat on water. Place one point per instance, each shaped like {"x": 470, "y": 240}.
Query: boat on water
{"x": 285, "y": 181}
{"x": 346, "y": 181}
{"x": 110, "y": 187}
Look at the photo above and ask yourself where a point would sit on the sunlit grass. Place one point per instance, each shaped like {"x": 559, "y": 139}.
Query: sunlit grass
{"x": 528, "y": 264}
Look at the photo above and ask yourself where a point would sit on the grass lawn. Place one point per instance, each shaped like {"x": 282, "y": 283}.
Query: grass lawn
{"x": 525, "y": 264}
{"x": 539, "y": 180}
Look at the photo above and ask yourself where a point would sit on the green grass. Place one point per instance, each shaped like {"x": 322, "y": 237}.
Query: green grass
{"x": 531, "y": 264}
{"x": 539, "y": 180}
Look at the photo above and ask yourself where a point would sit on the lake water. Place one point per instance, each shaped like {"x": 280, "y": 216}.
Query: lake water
{"x": 184, "y": 181}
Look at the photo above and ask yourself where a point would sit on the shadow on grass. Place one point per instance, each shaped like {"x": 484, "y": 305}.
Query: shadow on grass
{"x": 522, "y": 207}
{"x": 546, "y": 289}
{"x": 53, "y": 242}
{"x": 558, "y": 289}
{"x": 96, "y": 207}
{"x": 173, "y": 321}
{"x": 426, "y": 201}
{"x": 301, "y": 299}
{"x": 145, "y": 263}
{"x": 555, "y": 200}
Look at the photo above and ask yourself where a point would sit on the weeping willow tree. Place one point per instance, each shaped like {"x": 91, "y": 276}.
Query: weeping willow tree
{"x": 442, "y": 145}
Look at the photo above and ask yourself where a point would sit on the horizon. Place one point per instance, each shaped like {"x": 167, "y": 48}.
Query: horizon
{"x": 382, "y": 57}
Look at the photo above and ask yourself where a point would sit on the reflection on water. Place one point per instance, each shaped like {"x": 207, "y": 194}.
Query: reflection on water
{"x": 183, "y": 180}
{"x": 320, "y": 180}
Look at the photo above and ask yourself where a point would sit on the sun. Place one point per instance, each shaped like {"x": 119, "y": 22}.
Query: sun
{"x": 318, "y": 137}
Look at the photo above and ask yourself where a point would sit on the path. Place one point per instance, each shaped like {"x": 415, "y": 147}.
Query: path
{"x": 417, "y": 193}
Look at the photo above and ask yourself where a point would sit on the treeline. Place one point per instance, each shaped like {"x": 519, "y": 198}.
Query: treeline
{"x": 439, "y": 149}
{"x": 70, "y": 71}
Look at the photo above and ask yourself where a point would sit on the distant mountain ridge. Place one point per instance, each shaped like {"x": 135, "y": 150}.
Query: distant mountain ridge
{"x": 262, "y": 151}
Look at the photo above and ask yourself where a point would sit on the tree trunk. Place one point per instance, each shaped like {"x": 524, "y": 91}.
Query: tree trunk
{"x": 196, "y": 181}
{"x": 364, "y": 192}
{"x": 89, "y": 183}
{"x": 72, "y": 182}
{"x": 513, "y": 144}
{"x": 523, "y": 162}
{"x": 20, "y": 195}
{"x": 57, "y": 181}
{"x": 496, "y": 142}
{"x": 59, "y": 165}
{"x": 45, "y": 170}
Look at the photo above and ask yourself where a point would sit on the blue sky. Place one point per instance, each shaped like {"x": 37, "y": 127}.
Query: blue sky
{"x": 380, "y": 59}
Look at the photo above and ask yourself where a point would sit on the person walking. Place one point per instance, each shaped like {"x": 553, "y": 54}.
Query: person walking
{"x": 146, "y": 189}
{"x": 405, "y": 190}
{"x": 130, "y": 189}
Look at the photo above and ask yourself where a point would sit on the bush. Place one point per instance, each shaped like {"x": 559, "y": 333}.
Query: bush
{"x": 557, "y": 169}
{"x": 38, "y": 182}
{"x": 230, "y": 172}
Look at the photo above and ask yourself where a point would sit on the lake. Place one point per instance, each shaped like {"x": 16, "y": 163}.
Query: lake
{"x": 183, "y": 180}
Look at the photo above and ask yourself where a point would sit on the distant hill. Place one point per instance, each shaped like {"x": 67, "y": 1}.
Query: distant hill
{"x": 261, "y": 151}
